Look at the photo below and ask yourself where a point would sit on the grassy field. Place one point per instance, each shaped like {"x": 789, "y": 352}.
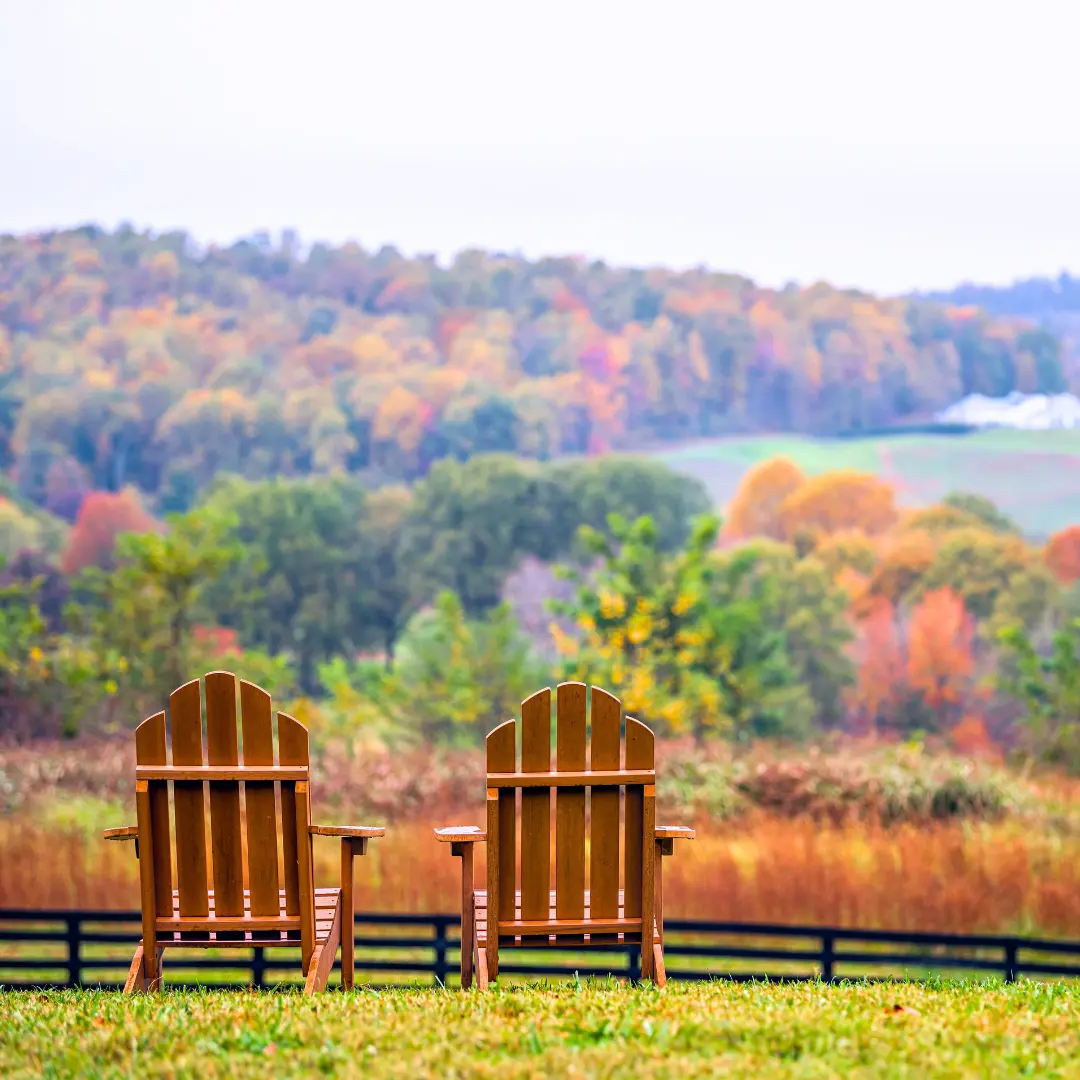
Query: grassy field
{"x": 586, "y": 1030}
{"x": 1034, "y": 476}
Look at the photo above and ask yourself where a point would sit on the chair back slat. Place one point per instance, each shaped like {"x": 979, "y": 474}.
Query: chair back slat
{"x": 226, "y": 847}
{"x": 292, "y": 750}
{"x": 185, "y": 716}
{"x": 605, "y": 752}
{"x": 535, "y": 810}
{"x": 151, "y": 748}
{"x": 502, "y": 757}
{"x": 570, "y": 803}
{"x": 640, "y": 754}
{"x": 260, "y": 806}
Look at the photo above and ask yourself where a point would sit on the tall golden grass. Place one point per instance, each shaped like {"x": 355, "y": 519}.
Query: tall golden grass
{"x": 948, "y": 877}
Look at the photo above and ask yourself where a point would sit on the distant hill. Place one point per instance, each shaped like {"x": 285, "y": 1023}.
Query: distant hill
{"x": 1052, "y": 303}
{"x": 131, "y": 358}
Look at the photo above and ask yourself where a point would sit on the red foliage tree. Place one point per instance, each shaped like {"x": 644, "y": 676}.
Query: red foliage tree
{"x": 880, "y": 660}
{"x": 940, "y": 661}
{"x": 103, "y": 516}
{"x": 1062, "y": 554}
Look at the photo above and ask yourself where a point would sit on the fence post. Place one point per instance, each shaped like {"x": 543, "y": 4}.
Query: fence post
{"x": 828, "y": 957}
{"x": 258, "y": 966}
{"x": 441, "y": 967}
{"x": 74, "y": 943}
{"x": 1010, "y": 962}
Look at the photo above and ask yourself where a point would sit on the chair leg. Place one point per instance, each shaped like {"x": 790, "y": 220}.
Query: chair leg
{"x": 659, "y": 975}
{"x": 481, "y": 970}
{"x": 322, "y": 959}
{"x": 136, "y": 977}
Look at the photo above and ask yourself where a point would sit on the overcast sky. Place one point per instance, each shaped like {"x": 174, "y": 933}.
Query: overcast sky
{"x": 888, "y": 144}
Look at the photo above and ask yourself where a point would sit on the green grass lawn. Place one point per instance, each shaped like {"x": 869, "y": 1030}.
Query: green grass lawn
{"x": 592, "y": 1029}
{"x": 1032, "y": 475}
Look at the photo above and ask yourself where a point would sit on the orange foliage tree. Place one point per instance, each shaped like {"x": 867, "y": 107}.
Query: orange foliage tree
{"x": 844, "y": 499}
{"x": 103, "y": 516}
{"x": 1062, "y": 554}
{"x": 940, "y": 661}
{"x": 755, "y": 509}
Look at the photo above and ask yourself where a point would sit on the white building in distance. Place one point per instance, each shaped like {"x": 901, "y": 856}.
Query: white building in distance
{"x": 1028, "y": 412}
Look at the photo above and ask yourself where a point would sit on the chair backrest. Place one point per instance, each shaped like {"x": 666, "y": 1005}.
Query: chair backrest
{"x": 215, "y": 767}
{"x": 580, "y": 768}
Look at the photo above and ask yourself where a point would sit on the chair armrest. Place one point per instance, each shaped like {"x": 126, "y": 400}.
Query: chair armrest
{"x": 128, "y": 832}
{"x": 354, "y": 832}
{"x": 674, "y": 832}
{"x": 666, "y": 835}
{"x": 461, "y": 834}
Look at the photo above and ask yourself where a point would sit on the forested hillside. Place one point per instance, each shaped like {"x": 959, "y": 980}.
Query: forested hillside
{"x": 132, "y": 359}
{"x": 1052, "y": 303}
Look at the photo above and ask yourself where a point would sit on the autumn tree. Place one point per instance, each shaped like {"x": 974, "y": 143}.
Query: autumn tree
{"x": 755, "y": 509}
{"x": 940, "y": 661}
{"x": 879, "y": 657}
{"x": 1062, "y": 554}
{"x": 839, "y": 500}
{"x": 978, "y": 565}
{"x": 103, "y": 516}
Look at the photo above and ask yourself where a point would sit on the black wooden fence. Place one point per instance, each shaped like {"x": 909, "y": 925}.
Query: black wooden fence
{"x": 94, "y": 948}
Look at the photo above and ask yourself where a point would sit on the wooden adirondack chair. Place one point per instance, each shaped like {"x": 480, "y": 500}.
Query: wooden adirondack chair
{"x": 230, "y": 915}
{"x": 534, "y": 915}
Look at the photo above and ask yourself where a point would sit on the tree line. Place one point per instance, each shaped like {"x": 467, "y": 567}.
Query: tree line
{"x": 128, "y": 358}
{"x": 816, "y": 604}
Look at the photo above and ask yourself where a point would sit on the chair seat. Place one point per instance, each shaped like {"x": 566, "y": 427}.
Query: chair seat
{"x": 326, "y": 901}
{"x": 556, "y": 938}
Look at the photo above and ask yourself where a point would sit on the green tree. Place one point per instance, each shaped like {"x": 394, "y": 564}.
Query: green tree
{"x": 1048, "y": 689}
{"x": 303, "y": 583}
{"x": 982, "y": 509}
{"x": 455, "y": 678}
{"x": 144, "y": 612}
{"x": 803, "y": 600}
{"x": 471, "y": 522}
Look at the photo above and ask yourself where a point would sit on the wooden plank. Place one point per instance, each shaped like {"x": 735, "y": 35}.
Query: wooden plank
{"x": 468, "y": 916}
{"x": 185, "y": 714}
{"x": 322, "y": 962}
{"x": 648, "y": 885}
{"x": 535, "y": 808}
{"x": 501, "y": 834}
{"x": 226, "y": 846}
{"x": 604, "y": 754}
{"x": 639, "y": 755}
{"x": 148, "y": 901}
{"x": 348, "y": 911}
{"x": 292, "y": 750}
{"x": 353, "y": 832}
{"x": 150, "y": 749}
{"x": 572, "y": 778}
{"x": 562, "y": 927}
{"x": 269, "y": 773}
{"x": 260, "y": 806}
{"x": 125, "y": 832}
{"x": 570, "y": 803}
{"x": 305, "y": 873}
{"x": 220, "y": 924}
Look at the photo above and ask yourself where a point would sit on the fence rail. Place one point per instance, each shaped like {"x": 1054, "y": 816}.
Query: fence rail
{"x": 94, "y": 948}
